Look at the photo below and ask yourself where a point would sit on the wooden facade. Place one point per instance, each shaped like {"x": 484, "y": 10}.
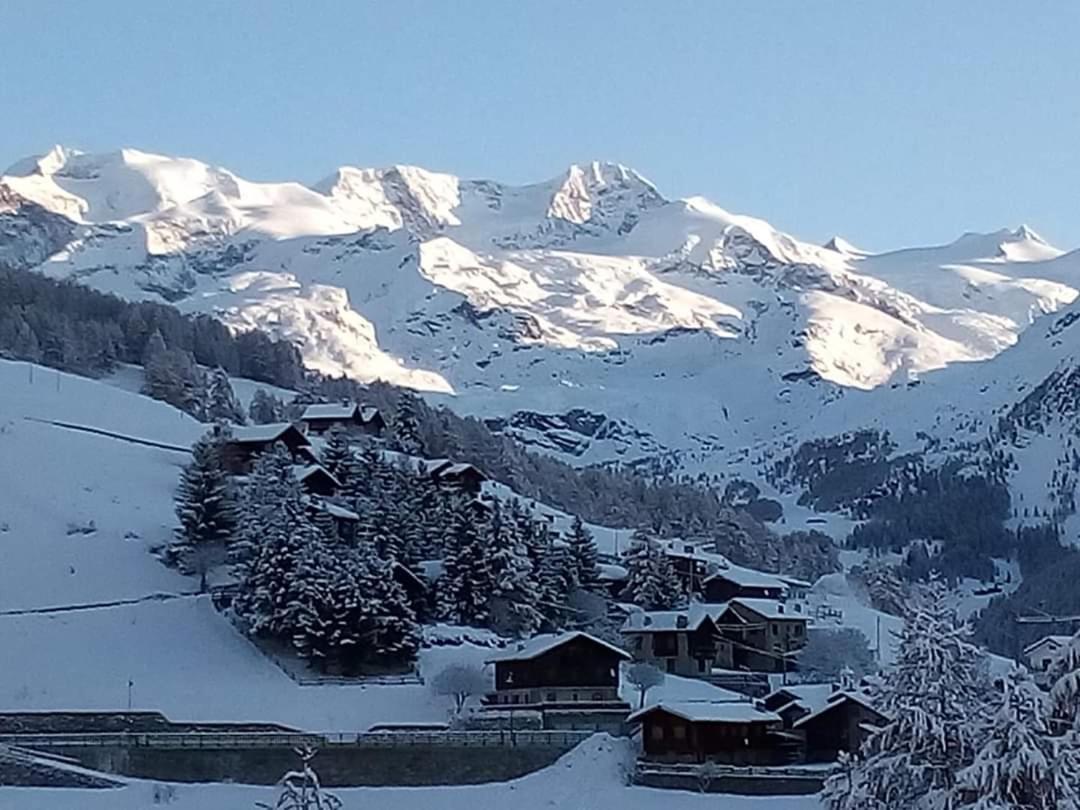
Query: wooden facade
{"x": 355, "y": 419}
{"x": 574, "y": 668}
{"x": 735, "y": 734}
{"x": 720, "y": 587}
{"x": 842, "y": 725}
{"x": 239, "y": 450}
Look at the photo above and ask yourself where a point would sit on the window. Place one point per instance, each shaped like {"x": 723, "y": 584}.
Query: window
{"x": 679, "y": 732}
{"x": 798, "y": 629}
{"x": 775, "y": 629}
{"x": 574, "y": 697}
{"x": 597, "y": 697}
{"x": 550, "y": 697}
{"x": 657, "y": 732}
{"x": 702, "y": 665}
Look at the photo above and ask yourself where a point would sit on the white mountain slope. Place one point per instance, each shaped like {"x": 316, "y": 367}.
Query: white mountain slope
{"x": 656, "y": 325}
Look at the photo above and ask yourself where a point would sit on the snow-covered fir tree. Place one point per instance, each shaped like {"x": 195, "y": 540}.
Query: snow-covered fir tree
{"x": 406, "y": 427}
{"x": 272, "y": 591}
{"x": 206, "y": 510}
{"x": 933, "y": 699}
{"x": 337, "y": 454}
{"x": 515, "y": 593}
{"x": 466, "y": 583}
{"x": 270, "y": 482}
{"x": 221, "y": 402}
{"x": 265, "y": 408}
{"x": 1019, "y": 764}
{"x": 1064, "y": 676}
{"x": 651, "y": 581}
{"x": 583, "y": 556}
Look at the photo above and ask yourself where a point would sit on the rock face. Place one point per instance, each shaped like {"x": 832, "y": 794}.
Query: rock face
{"x": 587, "y": 314}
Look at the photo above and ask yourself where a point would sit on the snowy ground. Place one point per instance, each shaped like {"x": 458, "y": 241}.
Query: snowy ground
{"x": 592, "y": 777}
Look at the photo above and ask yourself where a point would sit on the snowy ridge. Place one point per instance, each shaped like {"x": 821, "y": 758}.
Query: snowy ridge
{"x": 587, "y": 294}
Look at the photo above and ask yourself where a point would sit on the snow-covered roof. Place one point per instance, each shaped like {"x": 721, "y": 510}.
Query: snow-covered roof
{"x": 330, "y": 410}
{"x": 810, "y": 696}
{"x": 337, "y": 511}
{"x": 664, "y": 621}
{"x": 772, "y": 608}
{"x": 836, "y": 699}
{"x": 261, "y": 433}
{"x": 610, "y": 572}
{"x": 538, "y": 645}
{"x": 748, "y": 577}
{"x": 458, "y": 469}
{"x": 433, "y": 465}
{"x": 707, "y": 711}
{"x": 340, "y": 410}
{"x": 1054, "y": 641}
{"x": 304, "y": 471}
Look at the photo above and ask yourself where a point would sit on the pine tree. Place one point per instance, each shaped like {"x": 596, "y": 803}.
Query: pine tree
{"x": 337, "y": 453}
{"x": 206, "y": 510}
{"x": 651, "y": 581}
{"x": 265, "y": 408}
{"x": 406, "y": 427}
{"x": 583, "y": 556}
{"x": 465, "y": 585}
{"x": 1020, "y": 765}
{"x": 221, "y": 402}
{"x": 272, "y": 594}
{"x": 269, "y": 485}
{"x": 556, "y": 576}
{"x": 932, "y": 697}
{"x": 515, "y": 593}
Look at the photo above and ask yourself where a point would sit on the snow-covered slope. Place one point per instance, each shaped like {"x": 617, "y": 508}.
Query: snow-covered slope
{"x": 586, "y": 314}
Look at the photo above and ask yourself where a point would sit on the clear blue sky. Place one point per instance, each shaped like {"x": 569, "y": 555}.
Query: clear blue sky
{"x": 890, "y": 122}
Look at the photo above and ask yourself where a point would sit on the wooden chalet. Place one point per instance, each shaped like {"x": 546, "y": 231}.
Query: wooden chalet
{"x": 678, "y": 642}
{"x": 243, "y": 444}
{"x": 460, "y": 476}
{"x": 352, "y": 417}
{"x": 765, "y": 635}
{"x": 793, "y": 703}
{"x": 567, "y": 669}
{"x": 842, "y": 724}
{"x": 1044, "y": 653}
{"x": 734, "y": 733}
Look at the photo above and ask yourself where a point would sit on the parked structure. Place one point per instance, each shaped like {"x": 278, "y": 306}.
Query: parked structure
{"x": 352, "y": 417}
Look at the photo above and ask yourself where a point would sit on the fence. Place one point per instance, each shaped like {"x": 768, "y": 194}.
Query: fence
{"x": 241, "y": 740}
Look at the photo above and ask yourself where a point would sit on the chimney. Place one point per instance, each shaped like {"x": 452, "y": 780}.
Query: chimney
{"x": 779, "y": 608}
{"x": 682, "y": 621}
{"x": 646, "y": 621}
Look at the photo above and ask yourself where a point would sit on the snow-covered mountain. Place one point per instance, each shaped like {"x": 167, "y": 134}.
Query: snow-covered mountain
{"x": 586, "y": 314}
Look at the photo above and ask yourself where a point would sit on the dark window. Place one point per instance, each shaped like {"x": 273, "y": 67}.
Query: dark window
{"x": 551, "y": 697}
{"x": 798, "y": 629}
{"x": 775, "y": 629}
{"x": 596, "y": 696}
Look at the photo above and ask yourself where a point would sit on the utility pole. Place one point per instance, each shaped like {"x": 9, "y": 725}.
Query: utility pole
{"x": 131, "y": 686}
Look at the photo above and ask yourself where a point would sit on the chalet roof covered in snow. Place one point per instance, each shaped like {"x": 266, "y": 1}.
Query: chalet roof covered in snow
{"x": 810, "y": 696}
{"x": 665, "y": 621}
{"x": 1053, "y": 642}
{"x": 835, "y": 700}
{"x": 340, "y": 410}
{"x": 302, "y": 472}
{"x": 260, "y": 434}
{"x": 773, "y": 608}
{"x": 707, "y": 711}
{"x": 538, "y": 645}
